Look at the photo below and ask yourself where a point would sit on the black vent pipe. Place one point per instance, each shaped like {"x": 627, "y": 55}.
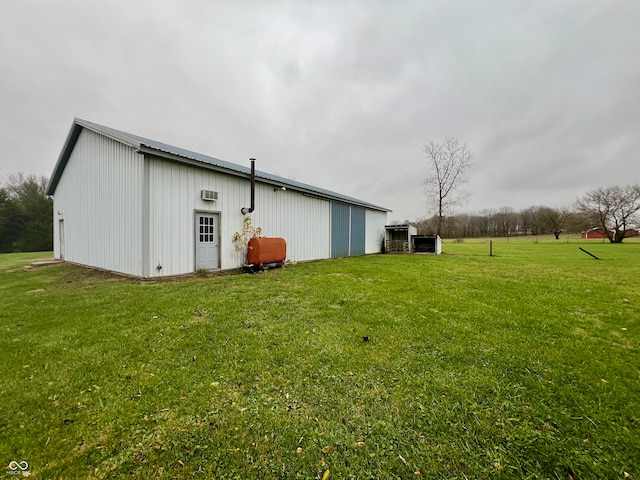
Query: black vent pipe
{"x": 246, "y": 210}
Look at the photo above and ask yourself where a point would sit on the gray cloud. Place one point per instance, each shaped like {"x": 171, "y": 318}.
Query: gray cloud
{"x": 343, "y": 95}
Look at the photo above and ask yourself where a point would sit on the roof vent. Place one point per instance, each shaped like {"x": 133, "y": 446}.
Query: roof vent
{"x": 208, "y": 195}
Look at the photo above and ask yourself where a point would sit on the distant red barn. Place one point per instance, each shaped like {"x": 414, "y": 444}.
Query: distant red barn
{"x": 598, "y": 232}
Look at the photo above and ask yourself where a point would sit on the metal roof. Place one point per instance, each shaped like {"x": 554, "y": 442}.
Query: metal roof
{"x": 146, "y": 145}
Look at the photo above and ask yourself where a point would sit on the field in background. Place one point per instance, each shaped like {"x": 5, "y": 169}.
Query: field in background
{"x": 520, "y": 365}
{"x": 19, "y": 260}
{"x": 535, "y": 239}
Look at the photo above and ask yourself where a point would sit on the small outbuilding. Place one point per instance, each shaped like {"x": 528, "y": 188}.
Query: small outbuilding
{"x": 404, "y": 239}
{"x": 398, "y": 238}
{"x": 594, "y": 233}
{"x": 143, "y": 208}
{"x": 600, "y": 233}
{"x": 427, "y": 244}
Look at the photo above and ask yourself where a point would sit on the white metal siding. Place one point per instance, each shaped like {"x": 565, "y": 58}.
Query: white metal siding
{"x": 174, "y": 191}
{"x": 130, "y": 213}
{"x": 174, "y": 197}
{"x": 303, "y": 221}
{"x": 99, "y": 197}
{"x": 375, "y": 230}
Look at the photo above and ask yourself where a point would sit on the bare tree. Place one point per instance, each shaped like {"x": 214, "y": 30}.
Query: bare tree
{"x": 448, "y": 162}
{"x": 553, "y": 220}
{"x": 616, "y": 209}
{"x": 506, "y": 221}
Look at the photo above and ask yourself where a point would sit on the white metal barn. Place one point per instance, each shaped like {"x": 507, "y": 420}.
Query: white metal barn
{"x": 143, "y": 208}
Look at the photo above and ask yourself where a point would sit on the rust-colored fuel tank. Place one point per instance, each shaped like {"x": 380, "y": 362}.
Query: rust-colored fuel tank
{"x": 263, "y": 251}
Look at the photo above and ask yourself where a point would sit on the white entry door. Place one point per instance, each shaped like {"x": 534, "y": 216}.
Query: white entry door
{"x": 207, "y": 241}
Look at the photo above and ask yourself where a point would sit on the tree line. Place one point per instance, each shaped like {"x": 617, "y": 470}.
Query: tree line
{"x": 614, "y": 210}
{"x": 26, "y": 214}
{"x": 503, "y": 222}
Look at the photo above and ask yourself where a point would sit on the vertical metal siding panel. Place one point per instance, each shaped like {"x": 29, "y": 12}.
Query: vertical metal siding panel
{"x": 375, "y": 231}
{"x": 304, "y": 222}
{"x": 189, "y": 189}
{"x": 145, "y": 218}
{"x": 236, "y": 194}
{"x": 171, "y": 217}
{"x": 156, "y": 236}
{"x": 182, "y": 212}
{"x": 124, "y": 174}
{"x": 56, "y": 233}
{"x": 188, "y": 206}
{"x": 340, "y": 231}
{"x": 176, "y": 198}
{"x": 98, "y": 195}
{"x": 358, "y": 234}
{"x": 315, "y": 229}
{"x": 301, "y": 220}
{"x": 152, "y": 224}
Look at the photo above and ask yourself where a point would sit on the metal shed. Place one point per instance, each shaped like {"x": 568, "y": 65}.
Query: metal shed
{"x": 137, "y": 206}
{"x": 427, "y": 244}
{"x": 398, "y": 238}
{"x": 404, "y": 239}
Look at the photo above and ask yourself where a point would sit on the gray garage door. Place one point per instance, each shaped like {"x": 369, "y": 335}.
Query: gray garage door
{"x": 358, "y": 216}
{"x": 347, "y": 230}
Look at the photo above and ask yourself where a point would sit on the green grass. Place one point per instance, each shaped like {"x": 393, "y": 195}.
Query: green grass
{"x": 520, "y": 365}
{"x": 19, "y": 260}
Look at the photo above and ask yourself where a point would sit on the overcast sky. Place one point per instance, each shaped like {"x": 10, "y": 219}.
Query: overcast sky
{"x": 339, "y": 94}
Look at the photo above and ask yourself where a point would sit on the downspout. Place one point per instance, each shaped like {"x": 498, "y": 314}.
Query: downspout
{"x": 246, "y": 210}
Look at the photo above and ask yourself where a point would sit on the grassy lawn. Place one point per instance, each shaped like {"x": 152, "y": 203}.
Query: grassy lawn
{"x": 521, "y": 365}
{"x": 19, "y": 260}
